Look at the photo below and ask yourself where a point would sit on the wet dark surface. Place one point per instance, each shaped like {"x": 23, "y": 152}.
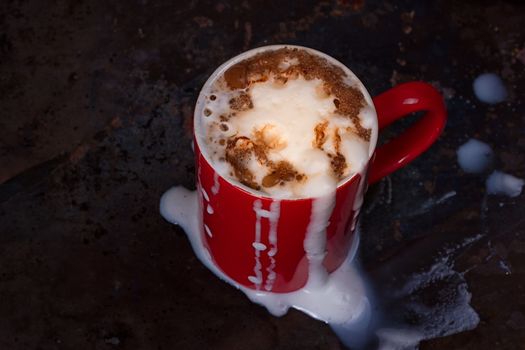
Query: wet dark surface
{"x": 96, "y": 103}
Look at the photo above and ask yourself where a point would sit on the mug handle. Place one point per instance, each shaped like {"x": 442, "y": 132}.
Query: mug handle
{"x": 396, "y": 103}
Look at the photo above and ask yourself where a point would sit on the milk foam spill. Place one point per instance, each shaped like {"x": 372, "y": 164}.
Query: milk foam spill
{"x": 452, "y": 315}
{"x": 273, "y": 216}
{"x": 408, "y": 317}
{"x": 489, "y": 88}
{"x": 288, "y": 115}
{"x": 501, "y": 183}
{"x": 275, "y": 208}
{"x": 257, "y": 245}
{"x": 342, "y": 298}
{"x": 475, "y": 156}
{"x": 216, "y": 184}
{"x": 337, "y": 298}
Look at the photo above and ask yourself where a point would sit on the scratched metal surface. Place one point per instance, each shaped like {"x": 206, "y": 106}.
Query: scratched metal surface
{"x": 96, "y": 103}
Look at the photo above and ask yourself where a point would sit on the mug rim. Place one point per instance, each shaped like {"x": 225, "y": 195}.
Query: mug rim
{"x": 199, "y": 106}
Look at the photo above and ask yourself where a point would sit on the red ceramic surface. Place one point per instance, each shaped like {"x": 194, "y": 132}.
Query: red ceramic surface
{"x": 230, "y": 223}
{"x": 397, "y": 103}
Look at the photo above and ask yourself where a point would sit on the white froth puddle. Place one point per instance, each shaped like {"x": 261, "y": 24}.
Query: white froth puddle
{"x": 342, "y": 298}
{"x": 489, "y": 88}
{"x": 475, "y": 156}
{"x": 338, "y": 298}
{"x": 499, "y": 183}
{"x": 405, "y": 299}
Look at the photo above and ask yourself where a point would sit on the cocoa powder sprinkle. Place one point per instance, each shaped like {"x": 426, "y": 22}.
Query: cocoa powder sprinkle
{"x": 242, "y": 102}
{"x": 238, "y": 151}
{"x": 282, "y": 65}
{"x": 338, "y": 164}
{"x": 283, "y": 171}
{"x": 235, "y": 76}
{"x": 348, "y": 99}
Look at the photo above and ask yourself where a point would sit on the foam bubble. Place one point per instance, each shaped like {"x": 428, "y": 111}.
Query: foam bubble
{"x": 500, "y": 183}
{"x": 475, "y": 156}
{"x": 489, "y": 88}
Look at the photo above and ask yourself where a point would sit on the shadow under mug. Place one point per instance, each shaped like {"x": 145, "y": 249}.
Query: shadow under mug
{"x": 258, "y": 241}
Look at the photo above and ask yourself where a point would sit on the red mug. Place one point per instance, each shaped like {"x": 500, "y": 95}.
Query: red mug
{"x": 258, "y": 241}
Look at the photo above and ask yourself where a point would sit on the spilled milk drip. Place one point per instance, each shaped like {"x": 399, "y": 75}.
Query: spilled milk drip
{"x": 343, "y": 299}
{"x": 336, "y": 298}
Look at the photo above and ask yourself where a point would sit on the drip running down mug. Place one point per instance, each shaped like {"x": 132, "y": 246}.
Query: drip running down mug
{"x": 258, "y": 241}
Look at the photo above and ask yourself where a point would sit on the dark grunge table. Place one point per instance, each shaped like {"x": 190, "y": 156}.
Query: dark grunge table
{"x": 96, "y": 105}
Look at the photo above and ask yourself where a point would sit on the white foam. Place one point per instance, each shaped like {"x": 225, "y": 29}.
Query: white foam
{"x": 257, "y": 277}
{"x": 208, "y": 231}
{"x": 341, "y": 299}
{"x": 216, "y": 184}
{"x": 287, "y": 114}
{"x": 449, "y": 313}
{"x": 475, "y": 156}
{"x": 500, "y": 183}
{"x": 489, "y": 88}
{"x": 275, "y": 209}
{"x": 315, "y": 239}
{"x": 205, "y": 195}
